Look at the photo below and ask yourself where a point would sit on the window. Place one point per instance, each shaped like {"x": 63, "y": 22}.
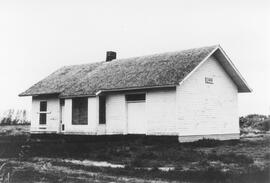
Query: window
{"x": 62, "y": 102}
{"x": 102, "y": 110}
{"x": 43, "y": 113}
{"x": 42, "y": 118}
{"x": 79, "y": 111}
{"x": 43, "y": 106}
{"x": 135, "y": 97}
{"x": 209, "y": 80}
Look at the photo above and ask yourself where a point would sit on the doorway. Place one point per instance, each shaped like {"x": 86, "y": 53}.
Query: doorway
{"x": 136, "y": 115}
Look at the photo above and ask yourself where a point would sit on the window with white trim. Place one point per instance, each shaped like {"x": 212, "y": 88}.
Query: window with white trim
{"x": 80, "y": 111}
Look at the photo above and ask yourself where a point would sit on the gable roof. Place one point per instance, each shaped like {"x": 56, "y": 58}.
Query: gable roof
{"x": 159, "y": 70}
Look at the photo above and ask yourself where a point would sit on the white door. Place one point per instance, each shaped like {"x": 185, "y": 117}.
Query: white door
{"x": 136, "y": 118}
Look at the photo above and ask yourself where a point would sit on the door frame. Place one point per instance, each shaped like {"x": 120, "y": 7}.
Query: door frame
{"x": 62, "y": 106}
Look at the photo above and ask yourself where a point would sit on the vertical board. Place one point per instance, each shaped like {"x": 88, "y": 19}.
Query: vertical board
{"x": 136, "y": 118}
{"x": 116, "y": 122}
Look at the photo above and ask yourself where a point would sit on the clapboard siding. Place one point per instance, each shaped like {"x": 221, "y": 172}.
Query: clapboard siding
{"x": 161, "y": 112}
{"x": 193, "y": 108}
{"x": 207, "y": 108}
{"x": 91, "y": 126}
{"x": 116, "y": 119}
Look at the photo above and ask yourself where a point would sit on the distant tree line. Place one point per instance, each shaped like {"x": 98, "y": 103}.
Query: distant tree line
{"x": 14, "y": 117}
{"x": 256, "y": 121}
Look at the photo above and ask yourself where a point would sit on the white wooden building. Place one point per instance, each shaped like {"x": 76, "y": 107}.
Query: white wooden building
{"x": 190, "y": 94}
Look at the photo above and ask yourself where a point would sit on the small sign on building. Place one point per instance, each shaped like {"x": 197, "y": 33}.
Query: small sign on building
{"x": 209, "y": 80}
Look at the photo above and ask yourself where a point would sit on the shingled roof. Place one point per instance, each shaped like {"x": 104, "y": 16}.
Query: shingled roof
{"x": 159, "y": 70}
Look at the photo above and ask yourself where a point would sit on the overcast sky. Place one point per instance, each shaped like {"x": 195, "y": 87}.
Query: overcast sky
{"x": 38, "y": 37}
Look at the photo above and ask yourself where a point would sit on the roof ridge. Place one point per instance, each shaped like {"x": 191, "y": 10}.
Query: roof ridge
{"x": 147, "y": 55}
{"x": 72, "y": 65}
{"x": 169, "y": 52}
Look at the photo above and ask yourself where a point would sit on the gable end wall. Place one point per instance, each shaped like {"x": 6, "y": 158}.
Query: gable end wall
{"x": 207, "y": 109}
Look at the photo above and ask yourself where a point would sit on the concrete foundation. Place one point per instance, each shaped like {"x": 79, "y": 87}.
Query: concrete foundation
{"x": 192, "y": 138}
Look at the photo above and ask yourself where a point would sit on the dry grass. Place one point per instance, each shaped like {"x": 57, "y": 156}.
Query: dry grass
{"x": 206, "y": 160}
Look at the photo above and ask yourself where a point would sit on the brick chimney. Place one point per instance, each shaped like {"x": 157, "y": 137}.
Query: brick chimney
{"x": 111, "y": 55}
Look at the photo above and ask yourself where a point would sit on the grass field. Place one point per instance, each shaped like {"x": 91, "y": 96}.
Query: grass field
{"x": 134, "y": 160}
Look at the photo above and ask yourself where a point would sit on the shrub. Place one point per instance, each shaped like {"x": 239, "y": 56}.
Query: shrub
{"x": 205, "y": 143}
{"x": 255, "y": 121}
{"x": 12, "y": 117}
{"x": 267, "y": 156}
{"x": 264, "y": 125}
